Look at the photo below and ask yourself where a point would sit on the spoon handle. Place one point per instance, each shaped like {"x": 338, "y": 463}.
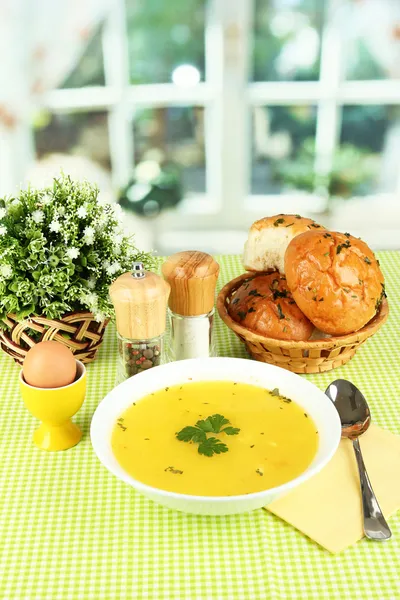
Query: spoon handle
{"x": 375, "y": 526}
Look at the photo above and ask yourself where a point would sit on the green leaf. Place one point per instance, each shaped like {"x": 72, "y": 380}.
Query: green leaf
{"x": 212, "y": 446}
{"x": 231, "y": 430}
{"x": 25, "y": 311}
{"x": 212, "y": 424}
{"x": 191, "y": 434}
{"x": 13, "y": 287}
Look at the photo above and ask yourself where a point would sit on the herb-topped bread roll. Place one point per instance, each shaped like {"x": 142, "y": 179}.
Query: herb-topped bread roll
{"x": 268, "y": 239}
{"x": 335, "y": 279}
{"x": 265, "y": 305}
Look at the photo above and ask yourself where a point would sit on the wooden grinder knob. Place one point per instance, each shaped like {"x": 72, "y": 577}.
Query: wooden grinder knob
{"x": 192, "y": 276}
{"x": 140, "y": 301}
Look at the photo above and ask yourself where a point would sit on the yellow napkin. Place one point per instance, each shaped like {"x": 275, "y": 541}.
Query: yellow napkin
{"x": 327, "y": 508}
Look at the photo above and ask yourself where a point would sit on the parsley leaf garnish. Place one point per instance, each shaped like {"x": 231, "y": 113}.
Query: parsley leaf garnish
{"x": 213, "y": 423}
{"x": 198, "y": 434}
{"x": 231, "y": 430}
{"x": 212, "y": 446}
{"x": 276, "y": 392}
{"x": 191, "y": 434}
{"x": 279, "y": 294}
{"x": 280, "y": 312}
{"x": 367, "y": 260}
{"x": 278, "y": 222}
{"x": 255, "y": 293}
{"x": 340, "y": 246}
{"x": 174, "y": 471}
{"x": 241, "y": 314}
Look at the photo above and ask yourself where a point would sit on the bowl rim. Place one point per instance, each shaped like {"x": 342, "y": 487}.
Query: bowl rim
{"x": 321, "y": 343}
{"x": 106, "y": 457}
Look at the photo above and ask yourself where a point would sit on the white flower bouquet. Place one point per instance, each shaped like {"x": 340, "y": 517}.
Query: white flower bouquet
{"x": 60, "y": 249}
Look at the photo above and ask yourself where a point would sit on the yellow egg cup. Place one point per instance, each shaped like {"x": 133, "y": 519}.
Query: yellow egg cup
{"x": 54, "y": 407}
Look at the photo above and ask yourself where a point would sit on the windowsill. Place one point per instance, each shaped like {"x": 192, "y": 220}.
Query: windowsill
{"x": 376, "y": 219}
{"x": 198, "y": 204}
{"x": 290, "y": 203}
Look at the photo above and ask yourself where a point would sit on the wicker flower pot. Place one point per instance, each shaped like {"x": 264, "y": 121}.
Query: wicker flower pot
{"x": 78, "y": 331}
{"x": 314, "y": 356}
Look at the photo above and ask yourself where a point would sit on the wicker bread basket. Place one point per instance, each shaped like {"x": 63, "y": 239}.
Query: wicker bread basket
{"x": 314, "y": 356}
{"x": 78, "y": 331}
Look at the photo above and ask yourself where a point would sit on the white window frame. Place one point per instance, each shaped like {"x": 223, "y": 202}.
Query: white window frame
{"x": 227, "y": 98}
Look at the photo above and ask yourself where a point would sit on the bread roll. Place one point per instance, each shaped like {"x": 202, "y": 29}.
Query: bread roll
{"x": 335, "y": 279}
{"x": 265, "y": 305}
{"x": 268, "y": 239}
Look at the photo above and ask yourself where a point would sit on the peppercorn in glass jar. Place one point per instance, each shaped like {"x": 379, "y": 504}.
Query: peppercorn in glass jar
{"x": 136, "y": 356}
{"x": 140, "y": 301}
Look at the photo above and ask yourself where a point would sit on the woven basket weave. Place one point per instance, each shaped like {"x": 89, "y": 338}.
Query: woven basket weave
{"x": 78, "y": 331}
{"x": 314, "y": 356}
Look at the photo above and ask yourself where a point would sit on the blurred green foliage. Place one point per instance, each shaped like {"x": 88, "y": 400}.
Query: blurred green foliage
{"x": 162, "y": 35}
{"x": 353, "y": 171}
{"x": 267, "y": 44}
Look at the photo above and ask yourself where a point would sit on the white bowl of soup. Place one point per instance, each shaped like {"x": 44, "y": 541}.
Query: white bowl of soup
{"x": 215, "y": 436}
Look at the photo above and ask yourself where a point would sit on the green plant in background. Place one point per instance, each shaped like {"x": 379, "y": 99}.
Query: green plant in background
{"x": 163, "y": 35}
{"x": 60, "y": 249}
{"x": 153, "y": 188}
{"x": 352, "y": 169}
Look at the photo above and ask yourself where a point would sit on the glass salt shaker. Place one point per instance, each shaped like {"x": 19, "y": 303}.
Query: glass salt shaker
{"x": 192, "y": 277}
{"x": 140, "y": 302}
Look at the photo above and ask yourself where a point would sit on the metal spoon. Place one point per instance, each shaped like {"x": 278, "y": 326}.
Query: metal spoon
{"x": 356, "y": 418}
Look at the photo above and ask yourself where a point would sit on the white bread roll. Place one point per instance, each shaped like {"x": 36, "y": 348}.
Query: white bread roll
{"x": 268, "y": 239}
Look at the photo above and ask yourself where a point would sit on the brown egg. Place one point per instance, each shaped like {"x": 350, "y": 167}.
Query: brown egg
{"x": 49, "y": 365}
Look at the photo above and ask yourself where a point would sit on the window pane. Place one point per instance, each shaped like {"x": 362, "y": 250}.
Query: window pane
{"x": 90, "y": 69}
{"x": 283, "y": 149}
{"x": 78, "y": 134}
{"x": 173, "y": 135}
{"x": 163, "y": 36}
{"x": 368, "y": 158}
{"x": 372, "y": 33}
{"x": 287, "y": 39}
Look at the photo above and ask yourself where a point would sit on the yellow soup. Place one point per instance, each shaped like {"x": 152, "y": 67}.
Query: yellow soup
{"x": 259, "y": 439}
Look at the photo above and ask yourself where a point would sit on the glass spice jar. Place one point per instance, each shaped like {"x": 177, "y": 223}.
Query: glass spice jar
{"x": 140, "y": 301}
{"x": 192, "y": 276}
{"x": 191, "y": 337}
{"x": 136, "y": 356}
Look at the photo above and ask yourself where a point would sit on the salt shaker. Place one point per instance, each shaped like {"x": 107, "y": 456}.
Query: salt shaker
{"x": 140, "y": 300}
{"x": 192, "y": 276}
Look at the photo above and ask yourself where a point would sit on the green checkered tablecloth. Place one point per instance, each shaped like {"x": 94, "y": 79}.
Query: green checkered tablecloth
{"x": 71, "y": 530}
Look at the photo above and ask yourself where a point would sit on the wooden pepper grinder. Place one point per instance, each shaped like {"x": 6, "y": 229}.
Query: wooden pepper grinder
{"x": 192, "y": 276}
{"x": 140, "y": 300}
